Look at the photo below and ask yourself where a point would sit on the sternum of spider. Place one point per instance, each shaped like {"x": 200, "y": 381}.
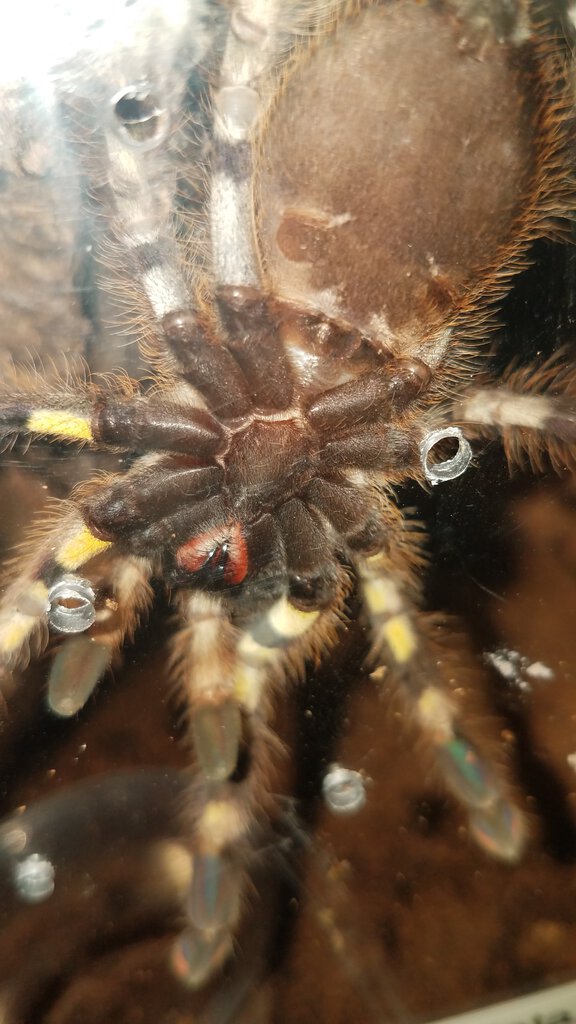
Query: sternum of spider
{"x": 268, "y": 460}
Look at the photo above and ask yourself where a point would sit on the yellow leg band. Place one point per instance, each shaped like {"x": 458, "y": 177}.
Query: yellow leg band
{"x": 80, "y": 548}
{"x": 59, "y": 423}
{"x": 400, "y": 637}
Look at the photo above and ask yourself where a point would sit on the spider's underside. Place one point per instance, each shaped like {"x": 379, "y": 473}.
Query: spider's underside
{"x": 360, "y": 237}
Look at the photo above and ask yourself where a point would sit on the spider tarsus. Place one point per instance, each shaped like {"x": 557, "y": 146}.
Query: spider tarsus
{"x": 196, "y": 954}
{"x": 500, "y": 830}
{"x": 75, "y": 672}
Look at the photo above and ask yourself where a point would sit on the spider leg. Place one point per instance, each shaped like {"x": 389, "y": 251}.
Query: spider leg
{"x": 376, "y": 395}
{"x": 534, "y": 411}
{"x": 153, "y": 490}
{"x": 399, "y": 641}
{"x": 105, "y": 511}
{"x": 137, "y": 192}
{"x": 46, "y": 594}
{"x": 254, "y": 39}
{"x": 227, "y": 671}
{"x": 251, "y": 45}
{"x": 187, "y": 331}
{"x": 253, "y": 368}
{"x": 105, "y": 419}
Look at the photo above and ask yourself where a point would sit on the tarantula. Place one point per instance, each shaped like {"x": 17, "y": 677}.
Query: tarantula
{"x": 378, "y": 172}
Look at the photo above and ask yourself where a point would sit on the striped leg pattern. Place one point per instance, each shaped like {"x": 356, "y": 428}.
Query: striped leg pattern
{"x": 399, "y": 642}
{"x": 227, "y": 675}
{"x": 533, "y": 410}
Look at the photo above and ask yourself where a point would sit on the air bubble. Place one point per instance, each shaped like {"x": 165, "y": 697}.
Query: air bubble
{"x": 449, "y": 469}
{"x": 71, "y": 605}
{"x": 344, "y": 790}
{"x": 34, "y": 878}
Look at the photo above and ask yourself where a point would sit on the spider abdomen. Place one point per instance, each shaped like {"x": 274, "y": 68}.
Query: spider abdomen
{"x": 391, "y": 186}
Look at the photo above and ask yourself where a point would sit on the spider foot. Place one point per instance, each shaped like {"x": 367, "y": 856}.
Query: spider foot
{"x": 213, "y": 900}
{"x": 226, "y": 673}
{"x": 196, "y": 955}
{"x": 500, "y": 829}
{"x": 495, "y": 823}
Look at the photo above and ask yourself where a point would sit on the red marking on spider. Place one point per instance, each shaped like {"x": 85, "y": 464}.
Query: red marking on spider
{"x": 222, "y": 551}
